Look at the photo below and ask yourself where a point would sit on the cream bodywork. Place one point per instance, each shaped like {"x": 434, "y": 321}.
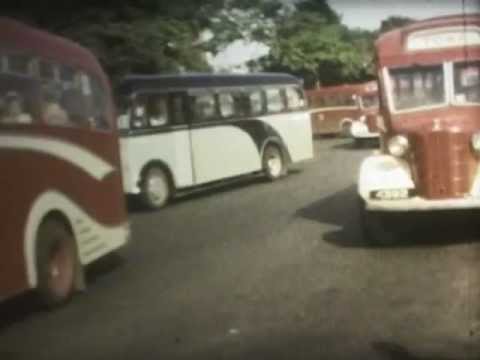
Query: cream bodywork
{"x": 359, "y": 130}
{"x": 384, "y": 172}
{"x": 92, "y": 238}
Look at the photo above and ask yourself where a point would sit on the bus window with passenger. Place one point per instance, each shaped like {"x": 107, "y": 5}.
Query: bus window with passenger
{"x": 231, "y": 125}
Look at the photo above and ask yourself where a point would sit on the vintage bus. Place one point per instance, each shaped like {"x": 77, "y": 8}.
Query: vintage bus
{"x": 184, "y": 131}
{"x": 334, "y": 109}
{"x": 429, "y": 75}
{"x": 63, "y": 205}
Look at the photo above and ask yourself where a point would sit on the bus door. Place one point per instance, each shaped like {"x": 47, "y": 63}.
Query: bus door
{"x": 221, "y": 144}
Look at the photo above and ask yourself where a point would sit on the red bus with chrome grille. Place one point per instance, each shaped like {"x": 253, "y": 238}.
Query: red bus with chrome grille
{"x": 429, "y": 76}
{"x": 62, "y": 205}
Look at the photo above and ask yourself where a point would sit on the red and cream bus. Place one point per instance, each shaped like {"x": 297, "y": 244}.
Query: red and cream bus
{"x": 334, "y": 109}
{"x": 429, "y": 76}
{"x": 62, "y": 197}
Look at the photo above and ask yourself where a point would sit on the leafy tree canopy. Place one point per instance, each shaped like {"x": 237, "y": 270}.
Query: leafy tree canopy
{"x": 305, "y": 38}
{"x": 394, "y": 22}
{"x": 311, "y": 42}
{"x": 141, "y": 36}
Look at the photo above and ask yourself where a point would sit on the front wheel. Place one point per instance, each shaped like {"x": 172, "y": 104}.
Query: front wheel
{"x": 155, "y": 188}
{"x": 272, "y": 162}
{"x": 56, "y": 263}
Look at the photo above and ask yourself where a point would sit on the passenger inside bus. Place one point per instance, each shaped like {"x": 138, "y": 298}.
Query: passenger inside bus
{"x": 204, "y": 107}
{"x": 138, "y": 116}
{"x": 76, "y": 108}
{"x": 158, "y": 111}
{"x": 13, "y": 110}
{"x": 53, "y": 113}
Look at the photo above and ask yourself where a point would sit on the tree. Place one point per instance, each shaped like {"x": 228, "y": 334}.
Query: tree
{"x": 394, "y": 22}
{"x": 143, "y": 36}
{"x": 311, "y": 42}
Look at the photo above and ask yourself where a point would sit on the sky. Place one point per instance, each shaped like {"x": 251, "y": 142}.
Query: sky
{"x": 364, "y": 14}
{"x": 368, "y": 14}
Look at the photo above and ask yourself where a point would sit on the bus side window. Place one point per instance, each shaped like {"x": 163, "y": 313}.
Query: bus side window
{"x": 204, "y": 108}
{"x": 19, "y": 64}
{"x": 82, "y": 101}
{"x": 226, "y": 105}
{"x": 177, "y": 109}
{"x": 18, "y": 90}
{"x": 55, "y": 93}
{"x": 467, "y": 82}
{"x": 328, "y": 101}
{"x": 157, "y": 110}
{"x": 295, "y": 99}
{"x": 256, "y": 102}
{"x": 275, "y": 102}
{"x": 241, "y": 104}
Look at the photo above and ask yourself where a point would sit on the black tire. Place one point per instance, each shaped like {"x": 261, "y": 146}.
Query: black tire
{"x": 360, "y": 143}
{"x": 345, "y": 129}
{"x": 155, "y": 188}
{"x": 375, "y": 229}
{"x": 273, "y": 163}
{"x": 56, "y": 256}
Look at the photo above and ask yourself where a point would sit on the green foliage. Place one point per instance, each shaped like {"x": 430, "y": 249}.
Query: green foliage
{"x": 311, "y": 43}
{"x": 394, "y": 22}
{"x": 143, "y": 46}
{"x": 141, "y": 36}
{"x": 305, "y": 37}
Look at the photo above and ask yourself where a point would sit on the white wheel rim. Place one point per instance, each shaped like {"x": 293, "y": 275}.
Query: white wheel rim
{"x": 157, "y": 190}
{"x": 274, "y": 164}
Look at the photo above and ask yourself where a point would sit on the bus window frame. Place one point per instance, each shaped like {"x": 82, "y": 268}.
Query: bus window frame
{"x": 192, "y": 96}
{"x": 228, "y": 92}
{"x": 299, "y": 92}
{"x": 447, "y": 84}
{"x": 453, "y": 89}
{"x": 259, "y": 90}
{"x": 33, "y": 74}
{"x": 281, "y": 92}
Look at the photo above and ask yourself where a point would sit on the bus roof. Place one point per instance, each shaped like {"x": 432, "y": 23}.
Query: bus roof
{"x": 165, "y": 82}
{"x": 393, "y": 46}
{"x": 349, "y": 89}
{"x": 20, "y": 37}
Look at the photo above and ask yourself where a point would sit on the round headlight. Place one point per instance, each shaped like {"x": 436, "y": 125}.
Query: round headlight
{"x": 476, "y": 142}
{"x": 398, "y": 145}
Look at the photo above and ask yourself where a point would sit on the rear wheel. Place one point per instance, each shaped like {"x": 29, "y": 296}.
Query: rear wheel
{"x": 56, "y": 263}
{"x": 272, "y": 162}
{"x": 155, "y": 188}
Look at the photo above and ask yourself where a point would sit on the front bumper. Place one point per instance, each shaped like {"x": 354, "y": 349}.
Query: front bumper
{"x": 359, "y": 130}
{"x": 418, "y": 203}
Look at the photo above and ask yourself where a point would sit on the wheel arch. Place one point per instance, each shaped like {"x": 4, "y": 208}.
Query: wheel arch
{"x": 275, "y": 141}
{"x": 162, "y": 165}
{"x": 45, "y": 208}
